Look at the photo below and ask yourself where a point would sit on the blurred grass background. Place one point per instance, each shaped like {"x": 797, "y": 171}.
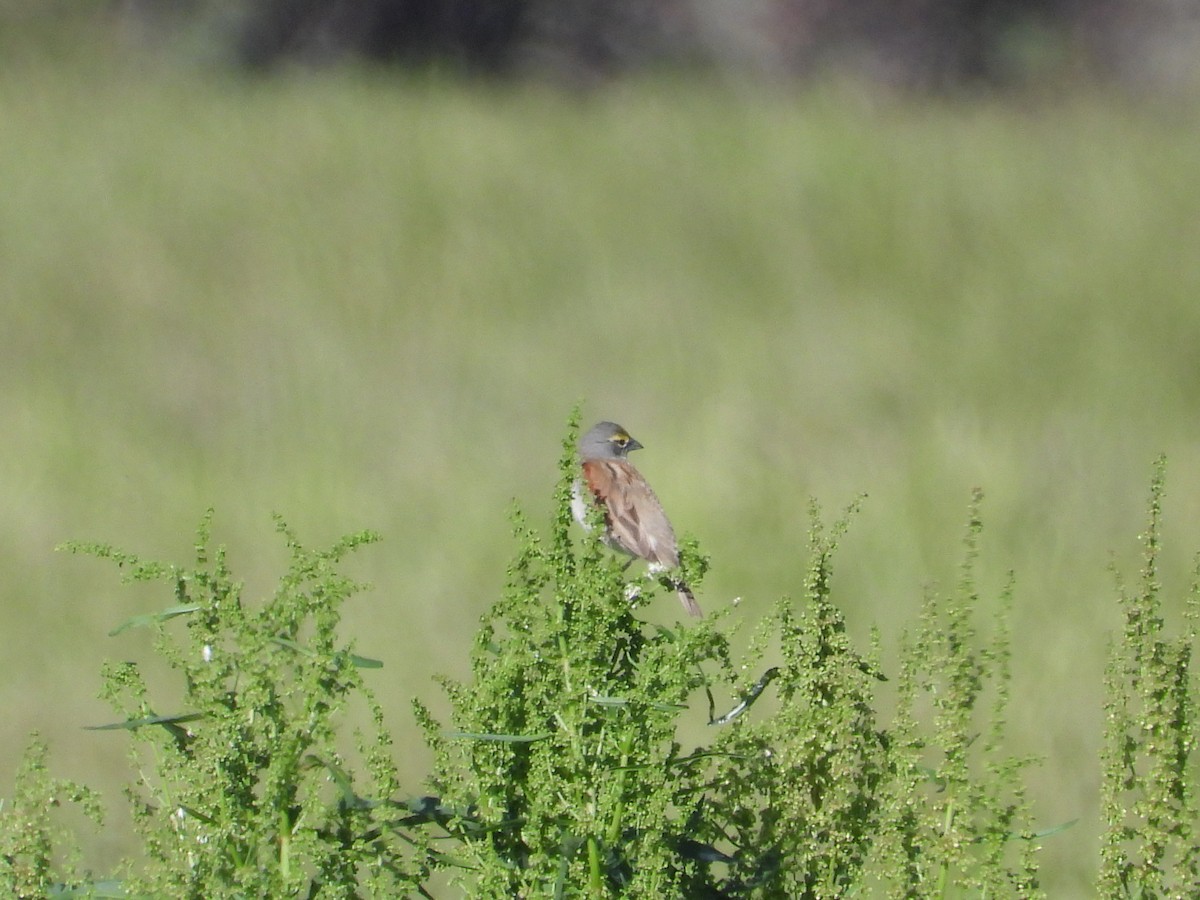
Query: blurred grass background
{"x": 369, "y": 300}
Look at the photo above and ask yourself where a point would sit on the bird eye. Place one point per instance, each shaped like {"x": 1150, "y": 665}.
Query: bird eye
{"x": 620, "y": 439}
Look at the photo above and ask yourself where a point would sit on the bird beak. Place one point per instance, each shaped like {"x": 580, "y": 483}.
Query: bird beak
{"x": 632, "y": 445}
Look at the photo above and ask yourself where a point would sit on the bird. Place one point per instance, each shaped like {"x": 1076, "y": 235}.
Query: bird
{"x": 634, "y": 521}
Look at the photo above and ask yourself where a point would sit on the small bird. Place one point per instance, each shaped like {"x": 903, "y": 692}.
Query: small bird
{"x": 633, "y": 518}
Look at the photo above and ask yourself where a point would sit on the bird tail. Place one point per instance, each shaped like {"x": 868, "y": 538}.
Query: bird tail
{"x": 688, "y": 599}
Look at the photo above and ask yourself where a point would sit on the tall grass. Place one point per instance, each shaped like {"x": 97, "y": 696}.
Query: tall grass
{"x": 357, "y": 298}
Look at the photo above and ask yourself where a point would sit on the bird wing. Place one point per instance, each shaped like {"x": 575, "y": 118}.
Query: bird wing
{"x": 635, "y": 519}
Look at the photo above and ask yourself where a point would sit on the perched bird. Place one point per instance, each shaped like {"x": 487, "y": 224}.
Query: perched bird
{"x": 634, "y": 521}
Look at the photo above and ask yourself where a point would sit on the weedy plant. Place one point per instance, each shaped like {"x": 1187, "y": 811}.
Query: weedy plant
{"x": 572, "y": 767}
{"x": 955, "y": 814}
{"x": 242, "y": 787}
{"x": 563, "y": 761}
{"x": 1151, "y": 765}
{"x": 566, "y": 774}
{"x": 32, "y": 847}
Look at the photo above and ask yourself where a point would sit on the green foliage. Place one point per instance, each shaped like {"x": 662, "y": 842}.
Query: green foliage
{"x": 242, "y": 787}
{"x": 568, "y": 777}
{"x": 564, "y": 762}
{"x": 29, "y": 840}
{"x": 1151, "y": 845}
{"x": 798, "y": 794}
{"x": 569, "y": 770}
{"x": 822, "y": 799}
{"x": 971, "y": 818}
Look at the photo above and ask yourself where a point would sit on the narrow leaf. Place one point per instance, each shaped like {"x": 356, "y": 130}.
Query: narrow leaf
{"x": 359, "y": 662}
{"x": 134, "y": 724}
{"x": 154, "y": 618}
{"x": 623, "y": 701}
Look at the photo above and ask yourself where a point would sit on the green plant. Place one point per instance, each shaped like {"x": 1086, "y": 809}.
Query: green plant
{"x": 956, "y": 814}
{"x": 822, "y": 799}
{"x": 1151, "y": 845}
{"x": 565, "y": 775}
{"x": 563, "y": 764}
{"x": 29, "y": 840}
{"x": 572, "y": 767}
{"x": 242, "y": 787}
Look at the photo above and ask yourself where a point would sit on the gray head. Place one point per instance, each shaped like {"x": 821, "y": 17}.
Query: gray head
{"x": 607, "y": 440}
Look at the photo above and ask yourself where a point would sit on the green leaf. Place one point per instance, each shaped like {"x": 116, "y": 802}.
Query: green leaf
{"x": 617, "y": 702}
{"x": 134, "y": 724}
{"x": 154, "y": 618}
{"x": 196, "y": 814}
{"x": 1038, "y": 835}
{"x": 360, "y": 662}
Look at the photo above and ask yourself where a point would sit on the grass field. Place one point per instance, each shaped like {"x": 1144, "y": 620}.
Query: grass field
{"x": 365, "y": 300}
